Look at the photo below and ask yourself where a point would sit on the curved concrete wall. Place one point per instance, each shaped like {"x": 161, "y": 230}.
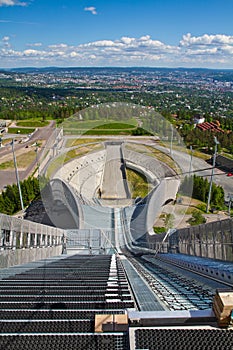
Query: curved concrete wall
{"x": 150, "y": 164}
{"x": 84, "y": 174}
{"x": 167, "y": 184}
{"x": 62, "y": 205}
{"x": 151, "y": 177}
{"x": 145, "y": 213}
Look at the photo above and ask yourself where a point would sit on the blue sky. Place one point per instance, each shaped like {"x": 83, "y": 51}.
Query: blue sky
{"x": 116, "y": 33}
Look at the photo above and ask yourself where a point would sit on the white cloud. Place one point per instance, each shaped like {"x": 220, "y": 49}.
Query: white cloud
{"x": 99, "y": 43}
{"x": 34, "y": 45}
{"x": 58, "y": 46}
{"x": 203, "y": 51}
{"x": 5, "y": 41}
{"x": 33, "y": 53}
{"x": 214, "y": 48}
{"x": 74, "y": 54}
{"x": 126, "y": 40}
{"x": 17, "y": 22}
{"x": 6, "y": 38}
{"x": 206, "y": 39}
{"x": 12, "y": 3}
{"x": 91, "y": 9}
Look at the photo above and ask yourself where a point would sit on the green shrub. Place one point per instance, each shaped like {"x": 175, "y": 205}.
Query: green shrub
{"x": 158, "y": 229}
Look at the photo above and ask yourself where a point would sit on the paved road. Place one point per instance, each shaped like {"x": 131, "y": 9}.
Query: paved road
{"x": 8, "y": 176}
{"x": 40, "y": 134}
{"x": 114, "y": 184}
{"x": 202, "y": 168}
{"x": 184, "y": 160}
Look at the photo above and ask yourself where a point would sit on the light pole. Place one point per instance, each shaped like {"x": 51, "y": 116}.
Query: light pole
{"x": 191, "y": 160}
{"x": 212, "y": 173}
{"x": 17, "y": 175}
{"x": 171, "y": 140}
{"x": 37, "y": 161}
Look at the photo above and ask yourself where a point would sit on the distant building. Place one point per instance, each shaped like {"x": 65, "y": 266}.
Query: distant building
{"x": 2, "y": 127}
{"x": 198, "y": 119}
{"x": 212, "y": 126}
{"x": 2, "y": 123}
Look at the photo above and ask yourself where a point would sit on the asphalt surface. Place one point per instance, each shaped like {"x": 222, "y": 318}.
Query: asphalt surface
{"x": 7, "y": 177}
{"x": 197, "y": 166}
{"x": 114, "y": 184}
{"x": 201, "y": 168}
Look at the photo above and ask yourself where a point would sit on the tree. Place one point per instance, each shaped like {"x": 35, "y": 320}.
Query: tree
{"x": 8, "y": 207}
{"x": 201, "y": 190}
{"x": 196, "y": 219}
{"x": 217, "y": 198}
{"x": 9, "y": 199}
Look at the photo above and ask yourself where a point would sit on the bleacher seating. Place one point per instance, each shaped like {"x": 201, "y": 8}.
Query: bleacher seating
{"x": 55, "y": 305}
{"x": 180, "y": 339}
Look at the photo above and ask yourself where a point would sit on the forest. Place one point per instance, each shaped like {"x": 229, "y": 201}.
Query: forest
{"x": 10, "y": 199}
{"x": 201, "y": 190}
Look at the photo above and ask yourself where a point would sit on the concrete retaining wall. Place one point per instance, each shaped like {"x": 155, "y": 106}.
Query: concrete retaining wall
{"x": 150, "y": 164}
{"x": 12, "y": 257}
{"x": 84, "y": 174}
{"x": 213, "y": 240}
{"x": 150, "y": 207}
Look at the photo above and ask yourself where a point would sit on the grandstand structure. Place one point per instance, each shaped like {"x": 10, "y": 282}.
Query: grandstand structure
{"x": 99, "y": 183}
{"x": 87, "y": 277}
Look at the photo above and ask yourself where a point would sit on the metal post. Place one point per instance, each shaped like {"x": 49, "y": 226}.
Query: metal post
{"x": 17, "y": 175}
{"x": 37, "y": 162}
{"x": 171, "y": 140}
{"x": 191, "y": 160}
{"x": 212, "y": 173}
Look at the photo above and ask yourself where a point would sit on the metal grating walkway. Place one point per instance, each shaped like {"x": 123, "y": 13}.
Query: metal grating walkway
{"x": 146, "y": 299}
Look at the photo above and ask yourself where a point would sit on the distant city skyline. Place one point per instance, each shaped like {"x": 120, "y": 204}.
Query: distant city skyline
{"x": 122, "y": 33}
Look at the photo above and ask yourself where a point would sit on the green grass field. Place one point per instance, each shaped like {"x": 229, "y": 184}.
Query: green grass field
{"x": 32, "y": 123}
{"x": 21, "y": 131}
{"x": 137, "y": 183}
{"x": 115, "y": 126}
{"x": 100, "y": 127}
{"x": 23, "y": 161}
{"x": 100, "y": 124}
{"x": 82, "y": 141}
{"x": 108, "y": 132}
{"x": 81, "y": 151}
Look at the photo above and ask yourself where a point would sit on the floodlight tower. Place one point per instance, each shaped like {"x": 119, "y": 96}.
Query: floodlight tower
{"x": 212, "y": 173}
{"x": 37, "y": 161}
{"x": 172, "y": 135}
{"x": 191, "y": 160}
{"x": 17, "y": 175}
